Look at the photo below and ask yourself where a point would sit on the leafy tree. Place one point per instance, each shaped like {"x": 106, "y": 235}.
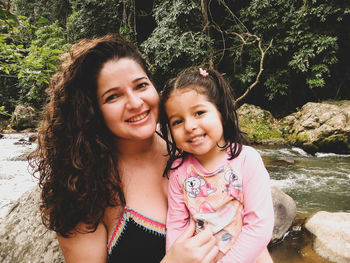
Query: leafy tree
{"x": 305, "y": 45}
{"x": 289, "y": 51}
{"x": 11, "y": 53}
{"x": 201, "y": 33}
{"x": 52, "y": 10}
{"x": 91, "y": 18}
{"x": 40, "y": 64}
{"x": 178, "y": 41}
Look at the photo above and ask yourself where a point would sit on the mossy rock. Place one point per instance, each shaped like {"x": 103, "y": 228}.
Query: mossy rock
{"x": 259, "y": 125}
{"x": 335, "y": 143}
{"x": 23, "y": 117}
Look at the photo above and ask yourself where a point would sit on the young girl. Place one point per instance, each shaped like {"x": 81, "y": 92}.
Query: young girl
{"x": 215, "y": 180}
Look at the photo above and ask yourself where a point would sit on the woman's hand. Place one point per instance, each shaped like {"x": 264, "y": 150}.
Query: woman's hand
{"x": 200, "y": 248}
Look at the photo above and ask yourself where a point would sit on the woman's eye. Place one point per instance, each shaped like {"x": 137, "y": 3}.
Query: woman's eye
{"x": 142, "y": 85}
{"x": 111, "y": 98}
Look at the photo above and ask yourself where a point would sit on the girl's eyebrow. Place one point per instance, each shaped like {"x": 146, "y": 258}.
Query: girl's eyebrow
{"x": 116, "y": 88}
{"x": 192, "y": 107}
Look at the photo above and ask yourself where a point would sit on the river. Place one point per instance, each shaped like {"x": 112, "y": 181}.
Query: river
{"x": 316, "y": 182}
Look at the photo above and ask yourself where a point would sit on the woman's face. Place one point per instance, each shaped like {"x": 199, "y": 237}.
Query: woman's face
{"x": 127, "y": 99}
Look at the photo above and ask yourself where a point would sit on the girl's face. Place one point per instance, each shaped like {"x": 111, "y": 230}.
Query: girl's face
{"x": 195, "y": 124}
{"x": 127, "y": 99}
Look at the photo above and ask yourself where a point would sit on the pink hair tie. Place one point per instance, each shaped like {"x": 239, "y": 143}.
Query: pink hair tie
{"x": 203, "y": 72}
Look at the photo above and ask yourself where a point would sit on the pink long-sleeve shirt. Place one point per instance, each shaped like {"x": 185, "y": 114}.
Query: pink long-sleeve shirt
{"x": 251, "y": 186}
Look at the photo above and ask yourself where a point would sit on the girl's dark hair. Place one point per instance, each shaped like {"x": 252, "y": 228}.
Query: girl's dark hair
{"x": 75, "y": 159}
{"x": 218, "y": 91}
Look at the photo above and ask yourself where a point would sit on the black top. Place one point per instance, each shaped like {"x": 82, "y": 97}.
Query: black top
{"x": 136, "y": 238}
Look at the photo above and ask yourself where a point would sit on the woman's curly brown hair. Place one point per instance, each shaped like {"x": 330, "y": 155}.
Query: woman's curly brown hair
{"x": 75, "y": 159}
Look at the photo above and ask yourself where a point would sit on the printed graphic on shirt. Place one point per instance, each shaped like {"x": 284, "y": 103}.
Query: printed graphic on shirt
{"x": 233, "y": 186}
{"x": 216, "y": 219}
{"x": 215, "y": 200}
{"x": 196, "y": 186}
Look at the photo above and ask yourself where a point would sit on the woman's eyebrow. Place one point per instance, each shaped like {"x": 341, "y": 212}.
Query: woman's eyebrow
{"x": 138, "y": 79}
{"x": 109, "y": 90}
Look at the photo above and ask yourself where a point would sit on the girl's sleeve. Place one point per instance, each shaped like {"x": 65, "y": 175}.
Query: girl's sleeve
{"x": 258, "y": 214}
{"x": 178, "y": 216}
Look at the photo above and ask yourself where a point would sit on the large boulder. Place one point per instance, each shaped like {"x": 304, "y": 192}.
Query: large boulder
{"x": 320, "y": 127}
{"x": 259, "y": 125}
{"x": 332, "y": 235}
{"x": 23, "y": 238}
{"x": 23, "y": 117}
{"x": 285, "y": 212}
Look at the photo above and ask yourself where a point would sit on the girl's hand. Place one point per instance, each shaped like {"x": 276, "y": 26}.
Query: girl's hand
{"x": 200, "y": 248}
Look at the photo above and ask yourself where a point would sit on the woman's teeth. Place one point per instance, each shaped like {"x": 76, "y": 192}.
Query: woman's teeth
{"x": 139, "y": 117}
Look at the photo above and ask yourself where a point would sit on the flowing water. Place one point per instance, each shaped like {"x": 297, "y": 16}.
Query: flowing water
{"x": 319, "y": 182}
{"x": 316, "y": 182}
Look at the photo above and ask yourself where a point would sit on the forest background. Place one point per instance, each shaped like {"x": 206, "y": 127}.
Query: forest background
{"x": 277, "y": 54}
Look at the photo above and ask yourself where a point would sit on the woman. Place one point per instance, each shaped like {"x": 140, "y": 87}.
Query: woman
{"x": 100, "y": 161}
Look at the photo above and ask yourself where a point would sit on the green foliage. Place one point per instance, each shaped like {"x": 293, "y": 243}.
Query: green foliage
{"x": 10, "y": 56}
{"x": 91, "y": 18}
{"x": 3, "y": 112}
{"x": 52, "y": 10}
{"x": 305, "y": 42}
{"x": 51, "y": 37}
{"x": 308, "y": 59}
{"x": 40, "y": 64}
{"x": 177, "y": 42}
{"x": 7, "y": 19}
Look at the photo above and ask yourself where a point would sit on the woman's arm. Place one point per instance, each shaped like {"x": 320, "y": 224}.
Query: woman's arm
{"x": 85, "y": 248}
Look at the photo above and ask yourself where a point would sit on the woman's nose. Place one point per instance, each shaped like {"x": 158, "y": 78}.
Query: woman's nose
{"x": 134, "y": 101}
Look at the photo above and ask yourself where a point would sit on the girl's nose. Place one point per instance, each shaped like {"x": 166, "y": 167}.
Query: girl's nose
{"x": 134, "y": 101}
{"x": 190, "y": 125}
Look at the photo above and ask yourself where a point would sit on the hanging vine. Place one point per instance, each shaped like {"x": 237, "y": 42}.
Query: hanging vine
{"x": 241, "y": 37}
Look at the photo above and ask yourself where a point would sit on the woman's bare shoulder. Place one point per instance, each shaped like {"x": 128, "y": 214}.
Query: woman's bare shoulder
{"x": 81, "y": 246}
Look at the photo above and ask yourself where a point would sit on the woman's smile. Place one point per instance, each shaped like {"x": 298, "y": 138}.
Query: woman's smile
{"x": 128, "y": 100}
{"x": 139, "y": 117}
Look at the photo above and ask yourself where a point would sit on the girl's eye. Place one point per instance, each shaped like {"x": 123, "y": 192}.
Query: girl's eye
{"x": 198, "y": 113}
{"x": 177, "y": 122}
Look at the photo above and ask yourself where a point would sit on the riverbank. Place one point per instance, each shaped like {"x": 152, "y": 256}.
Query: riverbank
{"x": 315, "y": 182}
{"x": 15, "y": 179}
